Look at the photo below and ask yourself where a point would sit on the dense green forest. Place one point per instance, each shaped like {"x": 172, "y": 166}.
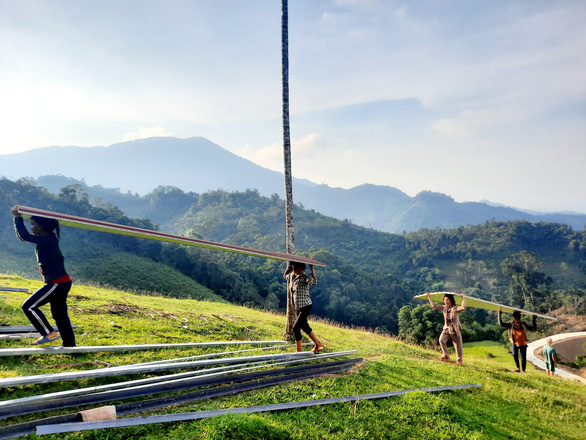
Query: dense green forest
{"x": 370, "y": 275}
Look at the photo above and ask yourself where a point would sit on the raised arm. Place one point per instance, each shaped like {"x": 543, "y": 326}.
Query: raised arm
{"x": 501, "y": 323}
{"x": 313, "y": 276}
{"x": 431, "y": 302}
{"x": 462, "y": 307}
{"x": 288, "y": 270}
{"x": 21, "y": 232}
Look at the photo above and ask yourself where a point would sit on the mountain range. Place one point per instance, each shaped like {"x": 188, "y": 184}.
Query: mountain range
{"x": 197, "y": 164}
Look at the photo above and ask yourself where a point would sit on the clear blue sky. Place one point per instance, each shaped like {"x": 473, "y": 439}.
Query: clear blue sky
{"x": 473, "y": 98}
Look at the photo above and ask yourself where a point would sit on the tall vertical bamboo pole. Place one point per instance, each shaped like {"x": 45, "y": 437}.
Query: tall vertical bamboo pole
{"x": 290, "y": 230}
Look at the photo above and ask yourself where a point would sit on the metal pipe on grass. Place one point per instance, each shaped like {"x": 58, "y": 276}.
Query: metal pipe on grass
{"x": 27, "y": 428}
{"x": 150, "y": 389}
{"x": 115, "y": 348}
{"x": 14, "y": 403}
{"x": 138, "y": 368}
{"x": 72, "y": 427}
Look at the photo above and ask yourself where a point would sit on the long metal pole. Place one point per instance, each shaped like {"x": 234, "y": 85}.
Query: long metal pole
{"x": 13, "y": 289}
{"x": 164, "y": 387}
{"x": 21, "y": 329}
{"x": 98, "y": 225}
{"x": 229, "y": 369}
{"x": 137, "y": 368}
{"x": 214, "y": 355}
{"x": 27, "y": 428}
{"x": 112, "y": 348}
{"x": 70, "y": 427}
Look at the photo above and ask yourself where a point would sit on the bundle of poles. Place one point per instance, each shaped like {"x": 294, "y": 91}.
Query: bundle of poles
{"x": 211, "y": 375}
{"x": 202, "y": 377}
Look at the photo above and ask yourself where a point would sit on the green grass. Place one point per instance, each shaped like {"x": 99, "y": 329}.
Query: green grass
{"x": 136, "y": 274}
{"x": 509, "y": 405}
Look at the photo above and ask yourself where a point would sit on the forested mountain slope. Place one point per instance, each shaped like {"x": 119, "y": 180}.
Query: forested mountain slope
{"x": 370, "y": 274}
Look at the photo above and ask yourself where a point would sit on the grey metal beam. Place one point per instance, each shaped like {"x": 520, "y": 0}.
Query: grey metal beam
{"x": 138, "y": 368}
{"x": 27, "y": 428}
{"x": 214, "y": 355}
{"x": 232, "y": 389}
{"x": 13, "y": 403}
{"x": 134, "y": 421}
{"x": 164, "y": 387}
{"x": 19, "y": 335}
{"x": 190, "y": 397}
{"x": 13, "y": 289}
{"x": 234, "y": 368}
{"x": 107, "y": 348}
{"x": 21, "y": 328}
{"x": 11, "y": 336}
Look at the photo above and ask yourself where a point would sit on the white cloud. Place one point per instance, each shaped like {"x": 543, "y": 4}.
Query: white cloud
{"x": 469, "y": 122}
{"x": 271, "y": 156}
{"x": 484, "y": 76}
{"x": 146, "y": 132}
{"x": 309, "y": 144}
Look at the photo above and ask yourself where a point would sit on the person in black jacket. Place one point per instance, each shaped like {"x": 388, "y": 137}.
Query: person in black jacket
{"x": 45, "y": 234}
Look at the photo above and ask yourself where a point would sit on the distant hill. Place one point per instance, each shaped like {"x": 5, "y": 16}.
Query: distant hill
{"x": 198, "y": 165}
{"x": 370, "y": 275}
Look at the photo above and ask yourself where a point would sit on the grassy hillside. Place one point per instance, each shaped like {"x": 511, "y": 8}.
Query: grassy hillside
{"x": 137, "y": 274}
{"x": 509, "y": 405}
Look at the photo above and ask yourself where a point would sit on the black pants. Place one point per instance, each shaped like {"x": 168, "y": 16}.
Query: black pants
{"x": 56, "y": 295}
{"x": 522, "y": 349}
{"x": 301, "y": 322}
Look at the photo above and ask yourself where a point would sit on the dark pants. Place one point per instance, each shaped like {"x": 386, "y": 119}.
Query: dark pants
{"x": 56, "y": 295}
{"x": 523, "y": 350}
{"x": 301, "y": 322}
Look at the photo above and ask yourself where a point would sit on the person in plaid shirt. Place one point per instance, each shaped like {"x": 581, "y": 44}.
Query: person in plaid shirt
{"x": 298, "y": 283}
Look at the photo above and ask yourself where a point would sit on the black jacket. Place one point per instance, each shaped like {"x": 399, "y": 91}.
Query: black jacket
{"x": 49, "y": 256}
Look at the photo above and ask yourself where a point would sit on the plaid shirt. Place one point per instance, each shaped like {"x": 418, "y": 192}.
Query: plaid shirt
{"x": 299, "y": 286}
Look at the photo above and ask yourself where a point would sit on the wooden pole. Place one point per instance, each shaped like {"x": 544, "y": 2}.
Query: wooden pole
{"x": 289, "y": 223}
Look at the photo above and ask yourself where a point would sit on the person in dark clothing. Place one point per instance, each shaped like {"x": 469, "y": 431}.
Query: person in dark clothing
{"x": 518, "y": 337}
{"x": 45, "y": 234}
